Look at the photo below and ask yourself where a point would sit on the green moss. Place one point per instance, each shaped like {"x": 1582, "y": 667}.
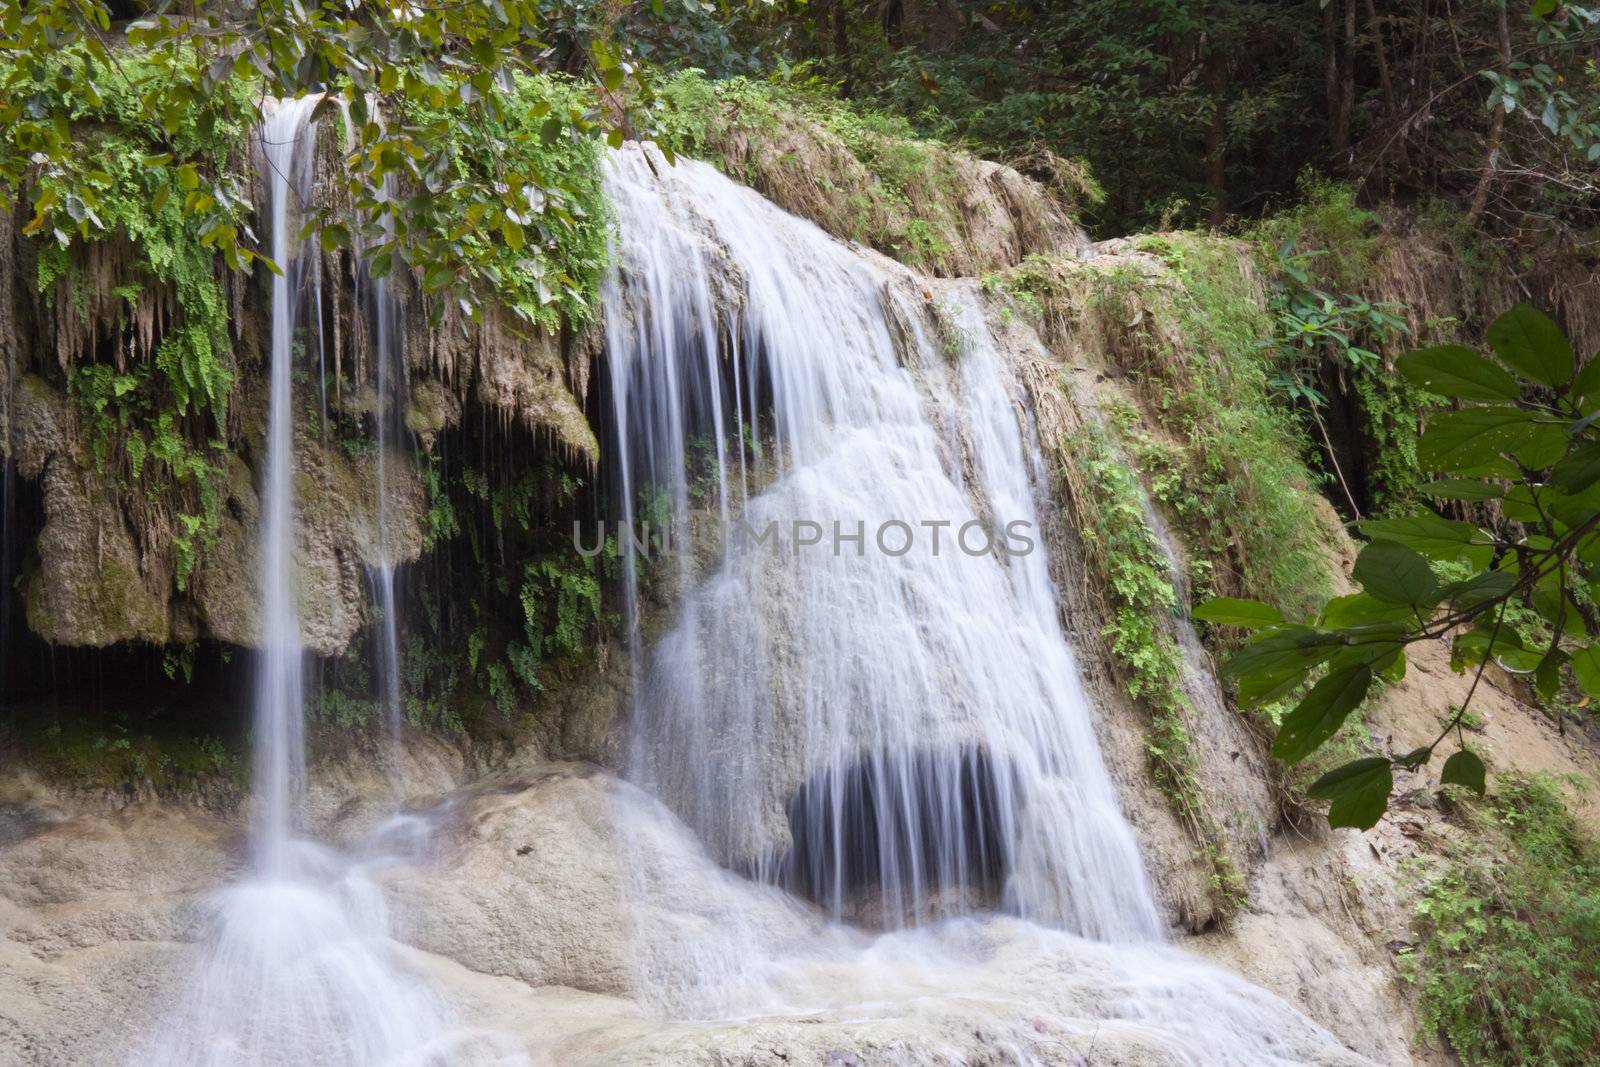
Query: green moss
{"x": 1248, "y": 490}
{"x": 1138, "y": 579}
{"x": 1509, "y": 958}
{"x": 99, "y": 751}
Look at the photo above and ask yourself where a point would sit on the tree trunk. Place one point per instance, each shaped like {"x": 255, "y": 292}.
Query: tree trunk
{"x": 1347, "y": 81}
{"x": 841, "y": 43}
{"x": 1497, "y": 126}
{"x": 1217, "y": 139}
{"x": 1384, "y": 78}
{"x": 913, "y": 22}
{"x": 1330, "y": 77}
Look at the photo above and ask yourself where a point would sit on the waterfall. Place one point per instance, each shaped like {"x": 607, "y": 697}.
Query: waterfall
{"x": 875, "y": 706}
{"x": 279, "y": 745}
{"x": 387, "y": 336}
{"x": 897, "y": 732}
{"x": 296, "y": 966}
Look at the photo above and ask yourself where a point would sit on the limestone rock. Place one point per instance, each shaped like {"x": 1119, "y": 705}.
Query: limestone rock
{"x": 92, "y": 586}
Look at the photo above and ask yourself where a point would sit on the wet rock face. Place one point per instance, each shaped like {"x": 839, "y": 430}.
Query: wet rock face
{"x": 97, "y": 582}
{"x": 91, "y": 586}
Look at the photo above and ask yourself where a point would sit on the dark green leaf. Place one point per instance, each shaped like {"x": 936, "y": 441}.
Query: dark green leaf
{"x": 1263, "y": 688}
{"x": 1579, "y": 470}
{"x": 1455, "y": 371}
{"x": 1395, "y": 573}
{"x": 1547, "y": 675}
{"x": 1585, "y": 391}
{"x": 1321, "y": 712}
{"x": 1544, "y": 444}
{"x": 1586, "y": 669}
{"x": 1282, "y": 649}
{"x": 1530, "y": 343}
{"x": 1463, "y": 489}
{"x": 1550, "y": 601}
{"x": 1465, "y": 769}
{"x": 1436, "y": 538}
{"x": 1359, "y": 791}
{"x": 1230, "y": 611}
{"x": 1359, "y": 609}
{"x": 1415, "y": 758}
{"x": 1459, "y": 441}
{"x": 1479, "y": 589}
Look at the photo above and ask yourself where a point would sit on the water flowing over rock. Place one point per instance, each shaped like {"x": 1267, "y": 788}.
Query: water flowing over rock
{"x": 790, "y": 663}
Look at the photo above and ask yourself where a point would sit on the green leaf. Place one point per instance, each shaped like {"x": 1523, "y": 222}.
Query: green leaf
{"x": 1586, "y": 669}
{"x": 1480, "y": 589}
{"x": 1530, "y": 343}
{"x": 513, "y": 234}
{"x": 1395, "y": 573}
{"x": 1459, "y": 441}
{"x": 1230, "y": 611}
{"x": 1577, "y": 471}
{"x": 1463, "y": 489}
{"x": 1263, "y": 688}
{"x": 1465, "y": 769}
{"x": 1547, "y": 675}
{"x": 1551, "y": 602}
{"x": 1321, "y": 712}
{"x": 1360, "y": 609}
{"x": 1359, "y": 791}
{"x": 1414, "y": 759}
{"x": 1436, "y": 538}
{"x": 1455, "y": 371}
{"x": 335, "y": 235}
{"x": 1585, "y": 391}
{"x": 1545, "y": 444}
{"x": 1283, "y": 649}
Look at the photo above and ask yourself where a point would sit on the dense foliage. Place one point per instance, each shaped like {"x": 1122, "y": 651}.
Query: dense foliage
{"x": 427, "y": 90}
{"x": 1525, "y": 439}
{"x": 1192, "y": 111}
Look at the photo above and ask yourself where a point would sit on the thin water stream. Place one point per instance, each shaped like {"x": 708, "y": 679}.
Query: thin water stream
{"x": 295, "y": 967}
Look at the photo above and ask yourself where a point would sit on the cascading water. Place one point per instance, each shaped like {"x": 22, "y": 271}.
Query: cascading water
{"x": 296, "y": 967}
{"x": 898, "y": 733}
{"x": 884, "y": 728}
